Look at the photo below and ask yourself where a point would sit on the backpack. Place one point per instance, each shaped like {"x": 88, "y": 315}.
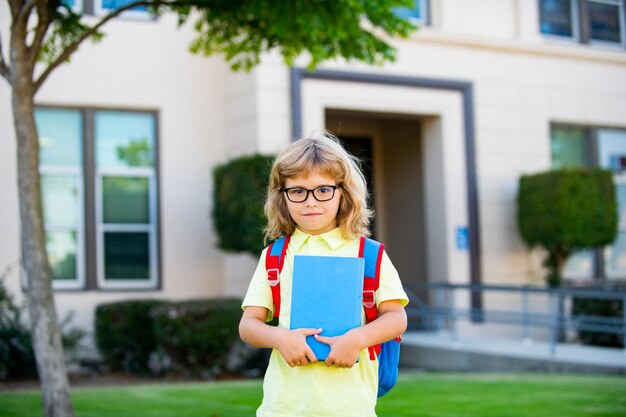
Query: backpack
{"x": 372, "y": 251}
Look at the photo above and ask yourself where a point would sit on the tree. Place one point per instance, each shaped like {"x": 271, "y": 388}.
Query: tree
{"x": 566, "y": 210}
{"x": 45, "y": 34}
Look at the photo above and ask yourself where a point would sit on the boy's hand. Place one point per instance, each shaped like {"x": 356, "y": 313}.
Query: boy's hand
{"x": 294, "y": 349}
{"x": 344, "y": 350}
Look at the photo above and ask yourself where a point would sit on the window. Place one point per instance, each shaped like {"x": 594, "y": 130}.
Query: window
{"x": 103, "y": 7}
{"x": 99, "y": 192}
{"x": 586, "y": 21}
{"x": 418, "y": 13}
{"x": 579, "y": 146}
{"x": 61, "y": 169}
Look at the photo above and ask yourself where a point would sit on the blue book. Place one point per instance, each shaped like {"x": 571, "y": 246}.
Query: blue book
{"x": 327, "y": 293}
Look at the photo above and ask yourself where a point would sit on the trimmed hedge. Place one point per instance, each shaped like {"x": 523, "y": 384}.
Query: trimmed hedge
{"x": 239, "y": 196}
{"x": 566, "y": 210}
{"x": 124, "y": 333}
{"x": 145, "y": 337}
{"x": 198, "y": 335}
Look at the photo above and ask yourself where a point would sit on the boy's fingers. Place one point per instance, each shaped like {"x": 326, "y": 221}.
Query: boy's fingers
{"x": 311, "y": 332}
{"x": 311, "y": 356}
{"x": 324, "y": 339}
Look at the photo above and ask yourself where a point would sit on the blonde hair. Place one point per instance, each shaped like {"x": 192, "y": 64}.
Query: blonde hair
{"x": 325, "y": 154}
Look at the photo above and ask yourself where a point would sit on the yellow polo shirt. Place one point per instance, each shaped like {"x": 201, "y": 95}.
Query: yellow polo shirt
{"x": 316, "y": 390}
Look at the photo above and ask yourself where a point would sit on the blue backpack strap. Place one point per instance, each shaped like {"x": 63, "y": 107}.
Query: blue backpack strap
{"x": 389, "y": 352}
{"x": 274, "y": 259}
{"x": 372, "y": 252}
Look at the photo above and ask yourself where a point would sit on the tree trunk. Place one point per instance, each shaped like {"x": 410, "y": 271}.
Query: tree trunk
{"x": 45, "y": 330}
{"x": 555, "y": 262}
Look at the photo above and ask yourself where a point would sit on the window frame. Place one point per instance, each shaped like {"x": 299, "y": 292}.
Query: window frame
{"x": 102, "y": 228}
{"x": 581, "y": 26}
{"x": 79, "y": 229}
{"x": 90, "y": 233}
{"x": 576, "y": 19}
{"x": 78, "y": 172}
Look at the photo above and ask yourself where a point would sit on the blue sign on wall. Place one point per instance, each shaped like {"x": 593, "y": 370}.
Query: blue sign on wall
{"x": 462, "y": 238}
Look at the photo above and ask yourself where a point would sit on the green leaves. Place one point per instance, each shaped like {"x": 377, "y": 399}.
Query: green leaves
{"x": 66, "y": 28}
{"x": 243, "y": 30}
{"x": 348, "y": 29}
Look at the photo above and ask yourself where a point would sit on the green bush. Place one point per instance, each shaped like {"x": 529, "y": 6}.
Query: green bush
{"x": 124, "y": 333}
{"x": 239, "y": 196}
{"x": 17, "y": 358}
{"x": 582, "y": 307}
{"x": 198, "y": 335}
{"x": 566, "y": 210}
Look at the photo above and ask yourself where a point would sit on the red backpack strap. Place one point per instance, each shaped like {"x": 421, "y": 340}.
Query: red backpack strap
{"x": 372, "y": 252}
{"x": 274, "y": 260}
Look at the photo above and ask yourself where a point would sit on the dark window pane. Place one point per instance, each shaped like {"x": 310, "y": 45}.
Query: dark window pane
{"x": 556, "y": 17}
{"x": 568, "y": 147}
{"x": 125, "y": 200}
{"x": 604, "y": 22}
{"x": 126, "y": 256}
{"x": 61, "y": 247}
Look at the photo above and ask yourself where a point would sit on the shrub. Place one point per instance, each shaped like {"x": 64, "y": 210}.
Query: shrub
{"x": 124, "y": 333}
{"x": 17, "y": 358}
{"x": 239, "y": 196}
{"x": 566, "y": 210}
{"x": 582, "y": 308}
{"x": 198, "y": 335}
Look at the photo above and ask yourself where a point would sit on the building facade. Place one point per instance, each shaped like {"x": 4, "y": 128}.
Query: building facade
{"x": 483, "y": 92}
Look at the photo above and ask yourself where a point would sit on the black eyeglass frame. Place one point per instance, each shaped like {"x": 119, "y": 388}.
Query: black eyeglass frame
{"x": 312, "y": 191}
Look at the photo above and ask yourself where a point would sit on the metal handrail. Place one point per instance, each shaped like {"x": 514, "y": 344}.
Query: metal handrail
{"x": 554, "y": 319}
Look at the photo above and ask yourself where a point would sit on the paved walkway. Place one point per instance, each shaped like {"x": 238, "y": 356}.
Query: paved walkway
{"x": 531, "y": 350}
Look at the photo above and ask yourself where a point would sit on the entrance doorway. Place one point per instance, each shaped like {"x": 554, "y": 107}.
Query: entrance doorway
{"x": 361, "y": 147}
{"x": 390, "y": 148}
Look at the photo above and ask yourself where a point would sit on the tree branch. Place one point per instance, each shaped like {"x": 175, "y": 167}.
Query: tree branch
{"x": 71, "y": 48}
{"x": 43, "y": 23}
{"x": 25, "y": 10}
{"x": 15, "y": 6}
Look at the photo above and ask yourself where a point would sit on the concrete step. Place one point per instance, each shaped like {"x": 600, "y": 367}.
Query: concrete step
{"x": 440, "y": 351}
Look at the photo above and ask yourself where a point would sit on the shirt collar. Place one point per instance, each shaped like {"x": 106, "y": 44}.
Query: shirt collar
{"x": 333, "y": 238}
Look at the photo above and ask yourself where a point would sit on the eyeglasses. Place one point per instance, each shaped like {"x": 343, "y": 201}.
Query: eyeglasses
{"x": 321, "y": 193}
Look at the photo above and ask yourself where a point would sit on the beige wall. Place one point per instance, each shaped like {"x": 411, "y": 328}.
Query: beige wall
{"x": 522, "y": 82}
{"x": 141, "y": 65}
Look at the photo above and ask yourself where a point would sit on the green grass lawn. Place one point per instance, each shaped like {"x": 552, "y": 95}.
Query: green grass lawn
{"x": 417, "y": 394}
